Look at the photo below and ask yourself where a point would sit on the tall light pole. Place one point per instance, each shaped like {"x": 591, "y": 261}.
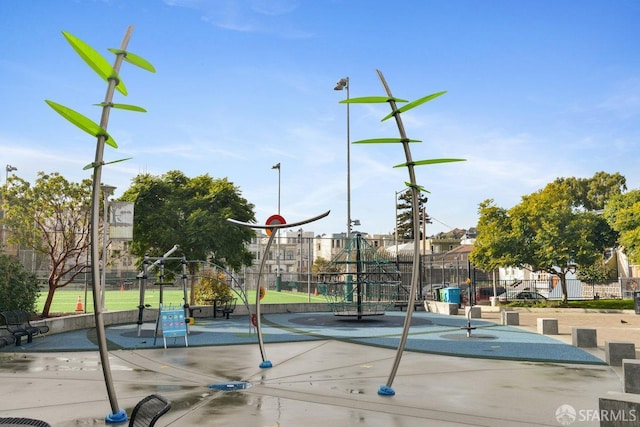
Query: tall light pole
{"x": 344, "y": 84}
{"x": 278, "y": 277}
{"x": 7, "y": 169}
{"x": 107, "y": 190}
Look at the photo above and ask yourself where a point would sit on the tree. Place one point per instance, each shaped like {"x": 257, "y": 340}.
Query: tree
{"x": 594, "y": 273}
{"x": 52, "y": 218}
{"x": 550, "y": 231}
{"x": 191, "y": 212}
{"x": 492, "y": 244}
{"x": 18, "y": 287}
{"x": 594, "y": 193}
{"x": 323, "y": 265}
{"x": 404, "y": 220}
{"x": 623, "y": 215}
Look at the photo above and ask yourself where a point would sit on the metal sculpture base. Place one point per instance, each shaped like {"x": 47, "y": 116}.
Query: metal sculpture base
{"x": 118, "y": 417}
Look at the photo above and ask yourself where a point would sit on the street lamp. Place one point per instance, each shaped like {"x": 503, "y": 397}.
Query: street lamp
{"x": 344, "y": 84}
{"x": 107, "y": 190}
{"x": 278, "y": 278}
{"x": 8, "y": 169}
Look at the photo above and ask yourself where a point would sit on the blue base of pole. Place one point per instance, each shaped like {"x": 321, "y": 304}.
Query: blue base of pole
{"x": 118, "y": 417}
{"x": 266, "y": 364}
{"x": 386, "y": 391}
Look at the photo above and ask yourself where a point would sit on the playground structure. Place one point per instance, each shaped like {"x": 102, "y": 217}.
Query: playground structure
{"x": 150, "y": 263}
{"x": 376, "y": 286}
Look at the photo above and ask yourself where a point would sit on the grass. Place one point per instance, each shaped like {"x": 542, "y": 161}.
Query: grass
{"x": 65, "y": 300}
{"x": 601, "y": 304}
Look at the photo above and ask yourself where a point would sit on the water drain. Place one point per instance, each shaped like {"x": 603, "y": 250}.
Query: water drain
{"x": 230, "y": 386}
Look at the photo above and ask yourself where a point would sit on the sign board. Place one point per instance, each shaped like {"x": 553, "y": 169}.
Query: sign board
{"x": 121, "y": 220}
{"x": 173, "y": 324}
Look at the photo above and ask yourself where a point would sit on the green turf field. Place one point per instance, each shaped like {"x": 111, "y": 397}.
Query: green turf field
{"x": 65, "y": 300}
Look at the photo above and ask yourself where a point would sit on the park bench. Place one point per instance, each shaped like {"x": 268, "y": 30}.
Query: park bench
{"x": 18, "y": 324}
{"x": 225, "y": 306}
{"x": 405, "y": 304}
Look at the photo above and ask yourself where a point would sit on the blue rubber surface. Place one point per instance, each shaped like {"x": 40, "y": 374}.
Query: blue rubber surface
{"x": 429, "y": 333}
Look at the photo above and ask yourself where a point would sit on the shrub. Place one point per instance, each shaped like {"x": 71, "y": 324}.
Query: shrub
{"x": 212, "y": 286}
{"x": 18, "y": 287}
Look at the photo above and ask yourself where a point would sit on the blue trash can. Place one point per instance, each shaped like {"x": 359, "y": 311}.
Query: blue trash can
{"x": 451, "y": 295}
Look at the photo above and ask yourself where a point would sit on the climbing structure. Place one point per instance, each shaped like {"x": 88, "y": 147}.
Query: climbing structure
{"x": 359, "y": 282}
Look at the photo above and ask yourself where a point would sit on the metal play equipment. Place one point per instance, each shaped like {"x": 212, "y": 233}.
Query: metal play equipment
{"x": 376, "y": 285}
{"x": 273, "y": 224}
{"x": 149, "y": 263}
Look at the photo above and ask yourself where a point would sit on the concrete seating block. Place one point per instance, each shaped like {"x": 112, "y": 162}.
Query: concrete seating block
{"x": 619, "y": 409}
{"x": 473, "y": 312}
{"x": 584, "y": 337}
{"x": 547, "y": 326}
{"x": 441, "y": 307}
{"x": 510, "y": 318}
{"x": 631, "y": 375}
{"x": 615, "y": 351}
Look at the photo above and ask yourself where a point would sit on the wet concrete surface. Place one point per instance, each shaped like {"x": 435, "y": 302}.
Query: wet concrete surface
{"x": 316, "y": 382}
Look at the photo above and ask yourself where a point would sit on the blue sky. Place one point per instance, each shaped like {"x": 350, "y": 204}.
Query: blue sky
{"x": 537, "y": 89}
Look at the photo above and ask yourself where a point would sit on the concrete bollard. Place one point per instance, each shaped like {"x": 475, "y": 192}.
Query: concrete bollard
{"x": 510, "y": 318}
{"x": 474, "y": 312}
{"x": 547, "y": 326}
{"x": 584, "y": 337}
{"x": 619, "y": 409}
{"x": 615, "y": 351}
{"x": 631, "y": 375}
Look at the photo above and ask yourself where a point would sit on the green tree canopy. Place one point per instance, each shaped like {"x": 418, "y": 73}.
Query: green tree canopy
{"x": 191, "y": 212}
{"x": 623, "y": 215}
{"x": 549, "y": 230}
{"x": 52, "y": 218}
{"x": 491, "y": 249}
{"x": 593, "y": 193}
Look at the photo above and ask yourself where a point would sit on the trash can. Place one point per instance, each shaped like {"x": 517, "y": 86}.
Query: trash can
{"x": 451, "y": 295}
{"x": 636, "y": 301}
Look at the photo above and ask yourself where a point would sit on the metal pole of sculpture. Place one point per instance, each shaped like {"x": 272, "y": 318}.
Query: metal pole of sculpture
{"x": 272, "y": 229}
{"x": 396, "y": 112}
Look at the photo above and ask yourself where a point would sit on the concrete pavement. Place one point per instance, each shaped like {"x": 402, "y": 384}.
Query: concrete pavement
{"x": 325, "y": 372}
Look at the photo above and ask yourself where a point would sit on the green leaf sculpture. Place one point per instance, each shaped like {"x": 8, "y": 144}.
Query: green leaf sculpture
{"x": 83, "y": 122}
{"x": 110, "y": 74}
{"x": 96, "y": 61}
{"x": 134, "y": 59}
{"x": 410, "y": 164}
{"x": 123, "y": 107}
{"x": 93, "y": 165}
{"x": 371, "y": 100}
{"x": 414, "y": 104}
{"x": 384, "y": 140}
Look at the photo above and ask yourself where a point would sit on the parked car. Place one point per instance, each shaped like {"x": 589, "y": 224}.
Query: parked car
{"x": 521, "y": 296}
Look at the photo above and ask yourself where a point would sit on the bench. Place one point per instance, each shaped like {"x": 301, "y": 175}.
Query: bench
{"x": 225, "y": 306}
{"x": 17, "y": 323}
{"x": 405, "y": 304}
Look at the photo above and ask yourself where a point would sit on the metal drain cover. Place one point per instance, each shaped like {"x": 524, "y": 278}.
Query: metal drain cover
{"x": 230, "y": 386}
